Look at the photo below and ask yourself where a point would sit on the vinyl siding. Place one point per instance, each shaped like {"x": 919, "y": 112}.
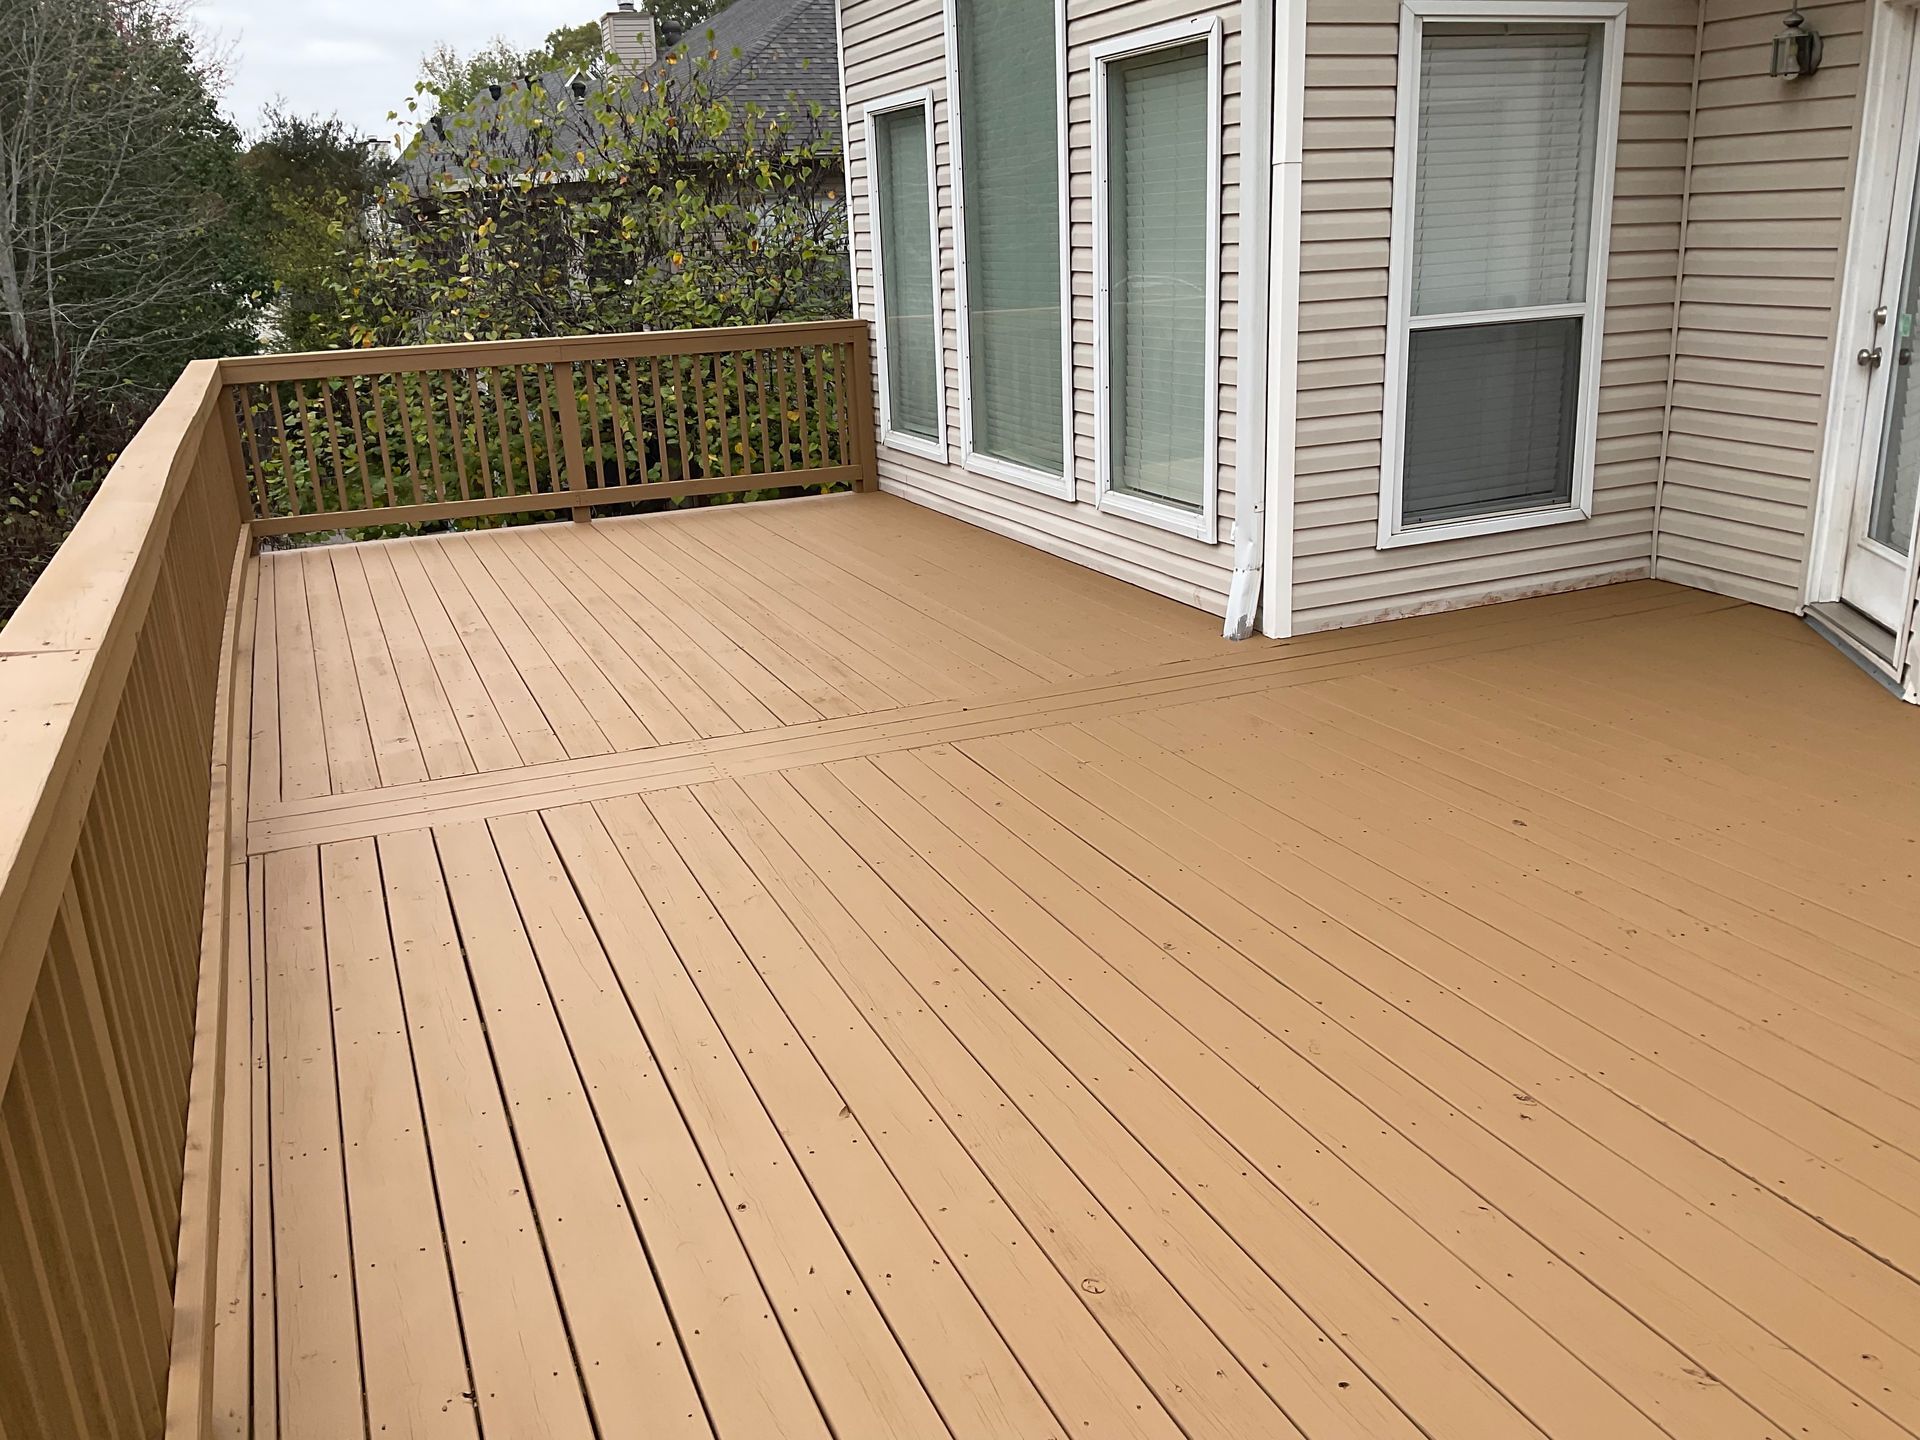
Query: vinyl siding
{"x": 1766, "y": 232}
{"x": 1340, "y": 577}
{"x": 893, "y": 45}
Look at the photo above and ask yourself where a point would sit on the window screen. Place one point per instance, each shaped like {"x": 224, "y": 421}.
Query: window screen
{"x": 1506, "y": 151}
{"x": 906, "y": 272}
{"x": 1009, "y": 147}
{"x": 1158, "y": 200}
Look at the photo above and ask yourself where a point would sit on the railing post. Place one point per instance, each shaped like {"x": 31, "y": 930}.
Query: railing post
{"x": 865, "y": 431}
{"x": 570, "y": 437}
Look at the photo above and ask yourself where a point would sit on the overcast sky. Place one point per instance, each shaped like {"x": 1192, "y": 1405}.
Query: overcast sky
{"x": 359, "y": 57}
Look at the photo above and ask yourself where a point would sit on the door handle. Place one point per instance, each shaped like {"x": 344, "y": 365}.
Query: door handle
{"x": 1871, "y": 358}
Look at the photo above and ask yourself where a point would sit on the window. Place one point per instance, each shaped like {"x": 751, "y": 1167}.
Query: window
{"x": 900, "y": 161}
{"x": 1006, "y": 91}
{"x": 1502, "y": 189}
{"x": 1156, "y": 218}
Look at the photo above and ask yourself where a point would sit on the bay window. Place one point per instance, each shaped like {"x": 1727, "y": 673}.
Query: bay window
{"x": 1502, "y": 191}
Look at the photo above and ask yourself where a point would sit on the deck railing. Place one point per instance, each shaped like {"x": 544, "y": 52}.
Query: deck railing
{"x": 125, "y": 1110}
{"x": 382, "y": 437}
{"x": 110, "y": 681}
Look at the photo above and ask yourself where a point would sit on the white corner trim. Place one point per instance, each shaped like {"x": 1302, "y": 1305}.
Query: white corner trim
{"x": 932, "y": 447}
{"x": 1202, "y": 524}
{"x": 1060, "y": 485}
{"x": 1283, "y": 330}
{"x": 1612, "y": 16}
{"x": 846, "y": 166}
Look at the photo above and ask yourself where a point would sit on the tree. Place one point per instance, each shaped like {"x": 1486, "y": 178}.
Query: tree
{"x": 127, "y": 247}
{"x": 317, "y": 183}
{"x": 633, "y": 202}
{"x": 454, "y": 79}
{"x": 125, "y": 223}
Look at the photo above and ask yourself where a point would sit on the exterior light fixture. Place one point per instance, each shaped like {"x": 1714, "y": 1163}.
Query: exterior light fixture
{"x": 1796, "y": 49}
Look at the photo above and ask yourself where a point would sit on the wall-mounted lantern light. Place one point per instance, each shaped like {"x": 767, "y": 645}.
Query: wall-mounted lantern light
{"x": 1796, "y": 49}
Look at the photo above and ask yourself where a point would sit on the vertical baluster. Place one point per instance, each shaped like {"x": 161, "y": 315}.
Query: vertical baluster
{"x": 747, "y": 465}
{"x": 638, "y": 419}
{"x": 760, "y": 359}
{"x": 721, "y": 403}
{"x": 359, "y": 439}
{"x": 700, "y": 410}
{"x": 820, "y": 401}
{"x": 433, "y": 435}
{"x": 615, "y": 413}
{"x": 312, "y": 453}
{"x": 415, "y": 494}
{"x": 380, "y": 422}
{"x": 333, "y": 440}
{"x": 526, "y": 428}
{"x": 843, "y": 399}
{"x": 554, "y": 481}
{"x": 783, "y": 375}
{"x": 592, "y": 430}
{"x": 659, "y": 413}
{"x": 286, "y": 448}
{"x": 459, "y": 442}
{"x": 506, "y": 435}
{"x": 480, "y": 438}
{"x": 251, "y": 434}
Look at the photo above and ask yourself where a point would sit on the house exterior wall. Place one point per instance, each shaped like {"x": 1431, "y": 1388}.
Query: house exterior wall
{"x": 1340, "y": 577}
{"x": 894, "y": 45}
{"x": 1766, "y": 235}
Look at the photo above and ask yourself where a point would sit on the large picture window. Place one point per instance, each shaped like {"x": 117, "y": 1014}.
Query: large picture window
{"x": 1503, "y": 185}
{"x": 906, "y": 256}
{"x": 1006, "y": 94}
{"x": 1156, "y": 199}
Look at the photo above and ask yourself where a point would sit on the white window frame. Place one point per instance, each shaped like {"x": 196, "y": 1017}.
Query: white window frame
{"x": 1611, "y": 15}
{"x": 1203, "y": 524}
{"x": 1062, "y": 485}
{"x": 920, "y": 99}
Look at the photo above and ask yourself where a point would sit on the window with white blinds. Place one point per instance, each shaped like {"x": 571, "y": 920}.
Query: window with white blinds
{"x": 1157, "y": 207}
{"x": 1006, "y": 72}
{"x": 899, "y": 144}
{"x": 1504, "y": 166}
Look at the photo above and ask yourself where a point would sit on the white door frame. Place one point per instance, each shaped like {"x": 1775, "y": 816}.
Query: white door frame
{"x": 1882, "y": 196}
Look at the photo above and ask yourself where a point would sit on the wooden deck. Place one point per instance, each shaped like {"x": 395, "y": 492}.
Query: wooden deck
{"x": 818, "y": 969}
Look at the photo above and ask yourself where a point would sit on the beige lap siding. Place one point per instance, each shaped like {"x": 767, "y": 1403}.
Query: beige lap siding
{"x": 1772, "y": 168}
{"x": 893, "y": 45}
{"x": 1340, "y": 577}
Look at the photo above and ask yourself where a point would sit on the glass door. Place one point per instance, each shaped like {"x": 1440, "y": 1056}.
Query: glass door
{"x": 1877, "y": 579}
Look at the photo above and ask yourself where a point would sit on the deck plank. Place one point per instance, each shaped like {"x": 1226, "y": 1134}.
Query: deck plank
{"x": 525, "y": 1380}
{"x": 416, "y": 1366}
{"x": 317, "y": 1320}
{"x": 815, "y": 968}
{"x": 623, "y": 1336}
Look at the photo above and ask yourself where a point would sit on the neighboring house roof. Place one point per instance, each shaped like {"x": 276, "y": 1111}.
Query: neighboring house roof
{"x": 781, "y": 55}
{"x": 787, "y": 52}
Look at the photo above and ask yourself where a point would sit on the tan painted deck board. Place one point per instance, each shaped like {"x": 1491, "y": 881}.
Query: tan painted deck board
{"x": 816, "y": 968}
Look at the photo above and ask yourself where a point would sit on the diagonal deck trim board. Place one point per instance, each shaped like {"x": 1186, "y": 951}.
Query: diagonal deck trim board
{"x": 496, "y": 793}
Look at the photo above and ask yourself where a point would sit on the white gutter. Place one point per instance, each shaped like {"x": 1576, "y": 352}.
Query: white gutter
{"x": 1250, "y": 413}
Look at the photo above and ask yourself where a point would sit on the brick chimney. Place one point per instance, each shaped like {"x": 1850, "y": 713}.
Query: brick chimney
{"x": 628, "y": 32}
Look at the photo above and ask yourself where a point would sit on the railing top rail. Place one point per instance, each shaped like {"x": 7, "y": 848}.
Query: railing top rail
{"x": 330, "y": 364}
{"x": 63, "y": 660}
